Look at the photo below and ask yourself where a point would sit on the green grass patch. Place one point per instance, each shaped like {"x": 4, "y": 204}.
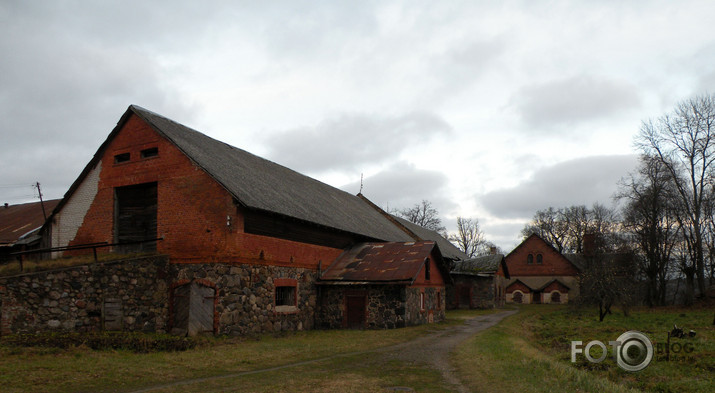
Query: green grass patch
{"x": 531, "y": 352}
{"x": 75, "y": 369}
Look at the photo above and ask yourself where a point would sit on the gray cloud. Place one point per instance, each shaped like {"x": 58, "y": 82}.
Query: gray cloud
{"x": 575, "y": 182}
{"x": 62, "y": 91}
{"x": 573, "y": 100}
{"x": 345, "y": 142}
{"x": 402, "y": 185}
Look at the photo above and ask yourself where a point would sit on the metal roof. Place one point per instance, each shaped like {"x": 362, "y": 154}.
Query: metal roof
{"x": 448, "y": 249}
{"x": 19, "y": 220}
{"x": 488, "y": 264}
{"x": 261, "y": 184}
{"x": 380, "y": 263}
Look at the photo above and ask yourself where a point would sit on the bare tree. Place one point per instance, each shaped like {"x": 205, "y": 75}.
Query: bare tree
{"x": 608, "y": 277}
{"x": 649, "y": 216}
{"x": 684, "y": 142}
{"x": 424, "y": 215}
{"x": 549, "y": 225}
{"x": 564, "y": 228}
{"x": 469, "y": 238}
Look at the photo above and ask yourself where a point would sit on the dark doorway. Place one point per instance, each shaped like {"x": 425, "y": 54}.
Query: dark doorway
{"x": 536, "y": 297}
{"x": 135, "y": 217}
{"x": 356, "y": 311}
{"x": 464, "y": 296}
{"x": 193, "y": 309}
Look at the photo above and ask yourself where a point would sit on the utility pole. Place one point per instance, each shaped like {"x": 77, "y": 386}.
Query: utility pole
{"x": 42, "y": 203}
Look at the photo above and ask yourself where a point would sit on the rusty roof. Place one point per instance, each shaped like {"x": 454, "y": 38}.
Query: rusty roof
{"x": 392, "y": 262}
{"x": 19, "y": 220}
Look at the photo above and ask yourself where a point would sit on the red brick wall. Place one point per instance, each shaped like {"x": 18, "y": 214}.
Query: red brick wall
{"x": 192, "y": 208}
{"x": 517, "y": 285}
{"x": 556, "y": 286}
{"x": 436, "y": 278}
{"x": 554, "y": 264}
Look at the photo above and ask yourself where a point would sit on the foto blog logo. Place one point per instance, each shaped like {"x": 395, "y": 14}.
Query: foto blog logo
{"x": 632, "y": 351}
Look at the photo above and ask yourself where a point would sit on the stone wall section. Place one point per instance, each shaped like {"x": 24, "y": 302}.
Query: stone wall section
{"x": 385, "y": 306}
{"x": 433, "y": 311}
{"x": 73, "y": 299}
{"x": 246, "y": 296}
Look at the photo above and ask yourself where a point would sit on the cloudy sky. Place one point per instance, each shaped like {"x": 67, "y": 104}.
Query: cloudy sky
{"x": 489, "y": 109}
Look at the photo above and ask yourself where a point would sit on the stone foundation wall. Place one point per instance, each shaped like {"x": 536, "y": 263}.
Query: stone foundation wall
{"x": 385, "y": 305}
{"x": 246, "y": 296}
{"x": 434, "y": 305}
{"x": 78, "y": 298}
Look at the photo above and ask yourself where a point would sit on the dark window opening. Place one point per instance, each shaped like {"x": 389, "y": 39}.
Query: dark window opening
{"x": 120, "y": 158}
{"x": 427, "y": 269}
{"x": 151, "y": 152}
{"x": 539, "y": 259}
{"x": 530, "y": 259}
{"x": 518, "y": 298}
{"x": 285, "y": 296}
{"x": 422, "y": 301}
{"x": 555, "y": 297}
{"x": 135, "y": 217}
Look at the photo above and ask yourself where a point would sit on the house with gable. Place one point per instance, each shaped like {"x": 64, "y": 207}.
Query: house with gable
{"x": 540, "y": 274}
{"x": 20, "y": 225}
{"x": 478, "y": 282}
{"x": 252, "y": 246}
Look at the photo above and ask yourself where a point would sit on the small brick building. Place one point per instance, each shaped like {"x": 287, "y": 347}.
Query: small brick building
{"x": 247, "y": 240}
{"x": 540, "y": 274}
{"x": 478, "y": 282}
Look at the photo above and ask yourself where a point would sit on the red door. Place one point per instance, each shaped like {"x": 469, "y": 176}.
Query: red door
{"x": 355, "y": 311}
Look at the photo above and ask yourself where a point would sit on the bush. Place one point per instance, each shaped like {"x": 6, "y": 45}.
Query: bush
{"x": 137, "y": 342}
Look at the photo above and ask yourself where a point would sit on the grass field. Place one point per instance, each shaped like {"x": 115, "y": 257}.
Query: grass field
{"x": 531, "y": 352}
{"x": 527, "y": 352}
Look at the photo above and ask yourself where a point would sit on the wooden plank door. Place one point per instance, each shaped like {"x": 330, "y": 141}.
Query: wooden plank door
{"x": 356, "y": 310}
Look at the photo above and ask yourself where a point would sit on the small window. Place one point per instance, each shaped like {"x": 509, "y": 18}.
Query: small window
{"x": 427, "y": 269}
{"x": 285, "y": 296}
{"x": 555, "y": 297}
{"x": 539, "y": 259}
{"x": 422, "y": 301}
{"x": 151, "y": 152}
{"x": 529, "y": 259}
{"x": 120, "y": 158}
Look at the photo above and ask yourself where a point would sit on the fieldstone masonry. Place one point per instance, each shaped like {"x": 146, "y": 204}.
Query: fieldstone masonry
{"x": 74, "y": 298}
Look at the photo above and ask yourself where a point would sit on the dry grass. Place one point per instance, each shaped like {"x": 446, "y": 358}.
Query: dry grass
{"x": 31, "y": 266}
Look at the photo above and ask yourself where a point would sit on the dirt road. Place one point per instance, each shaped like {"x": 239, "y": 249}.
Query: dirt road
{"x": 432, "y": 349}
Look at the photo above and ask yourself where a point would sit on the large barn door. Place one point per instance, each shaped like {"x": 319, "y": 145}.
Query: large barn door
{"x": 135, "y": 216}
{"x": 193, "y": 309}
{"x": 355, "y": 309}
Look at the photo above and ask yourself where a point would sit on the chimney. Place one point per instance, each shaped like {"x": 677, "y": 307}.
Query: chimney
{"x": 589, "y": 244}
{"x": 6, "y": 205}
{"x": 493, "y": 250}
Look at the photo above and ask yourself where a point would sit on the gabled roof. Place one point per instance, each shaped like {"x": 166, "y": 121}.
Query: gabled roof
{"x": 518, "y": 281}
{"x": 260, "y": 184}
{"x": 19, "y": 220}
{"x": 381, "y": 263}
{"x": 484, "y": 265}
{"x": 550, "y": 282}
{"x": 577, "y": 265}
{"x": 448, "y": 249}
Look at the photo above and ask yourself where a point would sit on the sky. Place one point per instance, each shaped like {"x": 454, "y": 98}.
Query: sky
{"x": 488, "y": 109}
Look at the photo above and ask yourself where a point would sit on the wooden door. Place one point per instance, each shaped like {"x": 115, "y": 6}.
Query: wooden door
{"x": 356, "y": 310}
{"x": 135, "y": 216}
{"x": 193, "y": 310}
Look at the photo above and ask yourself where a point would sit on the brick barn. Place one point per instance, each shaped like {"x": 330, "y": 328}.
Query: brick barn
{"x": 540, "y": 274}
{"x": 247, "y": 240}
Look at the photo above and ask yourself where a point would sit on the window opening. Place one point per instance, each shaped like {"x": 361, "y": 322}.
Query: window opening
{"x": 120, "y": 158}
{"x": 150, "y": 152}
{"x": 285, "y": 296}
